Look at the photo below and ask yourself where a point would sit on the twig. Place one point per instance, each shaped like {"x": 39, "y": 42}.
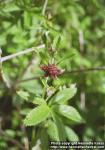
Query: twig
{"x": 72, "y": 71}
{"x": 21, "y": 53}
{"x": 2, "y": 76}
{"x": 29, "y": 79}
{"x": 81, "y": 41}
{"x": 44, "y": 7}
{"x": 86, "y": 70}
{"x": 2, "y": 59}
{"x": 24, "y": 72}
{"x": 0, "y": 64}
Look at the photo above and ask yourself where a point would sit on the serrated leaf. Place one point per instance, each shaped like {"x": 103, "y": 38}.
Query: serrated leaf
{"x": 64, "y": 95}
{"x": 70, "y": 113}
{"x": 37, "y": 115}
{"x": 71, "y": 135}
{"x": 24, "y": 95}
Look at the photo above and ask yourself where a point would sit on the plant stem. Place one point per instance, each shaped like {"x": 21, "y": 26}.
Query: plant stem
{"x": 21, "y": 53}
{"x": 72, "y": 71}
{"x": 86, "y": 70}
{"x": 28, "y": 79}
{"x": 2, "y": 76}
{"x": 44, "y": 7}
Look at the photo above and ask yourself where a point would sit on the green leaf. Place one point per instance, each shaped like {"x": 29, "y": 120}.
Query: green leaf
{"x": 39, "y": 101}
{"x": 59, "y": 126}
{"x": 71, "y": 135}
{"x": 43, "y": 138}
{"x": 27, "y": 19}
{"x": 70, "y": 113}
{"x": 44, "y": 38}
{"x": 44, "y": 82}
{"x": 10, "y": 133}
{"x": 37, "y": 115}
{"x": 69, "y": 122}
{"x": 11, "y": 8}
{"x": 64, "y": 95}
{"x": 44, "y": 57}
{"x": 52, "y": 131}
{"x": 65, "y": 58}
{"x": 56, "y": 41}
{"x": 24, "y": 95}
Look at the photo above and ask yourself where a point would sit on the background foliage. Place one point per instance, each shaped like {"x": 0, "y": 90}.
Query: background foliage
{"x": 76, "y": 30}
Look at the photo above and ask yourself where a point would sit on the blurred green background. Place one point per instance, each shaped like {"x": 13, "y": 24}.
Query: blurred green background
{"x": 80, "y": 26}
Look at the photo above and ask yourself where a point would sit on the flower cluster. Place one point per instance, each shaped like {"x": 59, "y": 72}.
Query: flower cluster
{"x": 51, "y": 70}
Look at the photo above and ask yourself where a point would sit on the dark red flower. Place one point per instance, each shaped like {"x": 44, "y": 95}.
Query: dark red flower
{"x": 51, "y": 70}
